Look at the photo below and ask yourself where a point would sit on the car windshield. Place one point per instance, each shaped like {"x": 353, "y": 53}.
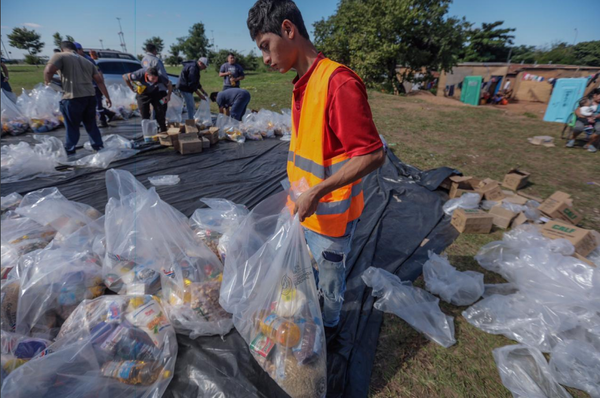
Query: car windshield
{"x": 118, "y": 67}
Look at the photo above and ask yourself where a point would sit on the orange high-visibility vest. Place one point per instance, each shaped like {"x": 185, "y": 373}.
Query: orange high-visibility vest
{"x": 306, "y": 160}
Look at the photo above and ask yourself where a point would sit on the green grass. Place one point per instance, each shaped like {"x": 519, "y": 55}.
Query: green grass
{"x": 478, "y": 141}
{"x": 24, "y": 76}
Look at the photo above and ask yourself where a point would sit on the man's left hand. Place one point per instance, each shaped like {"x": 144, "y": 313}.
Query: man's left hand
{"x": 167, "y": 99}
{"x": 108, "y": 103}
{"x": 306, "y": 205}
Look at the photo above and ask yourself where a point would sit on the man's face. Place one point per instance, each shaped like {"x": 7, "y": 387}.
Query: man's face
{"x": 231, "y": 59}
{"x": 596, "y": 98}
{"x": 201, "y": 66}
{"x": 152, "y": 79}
{"x": 80, "y": 52}
{"x": 277, "y": 52}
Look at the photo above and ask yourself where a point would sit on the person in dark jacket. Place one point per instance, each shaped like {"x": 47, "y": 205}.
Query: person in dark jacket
{"x": 189, "y": 83}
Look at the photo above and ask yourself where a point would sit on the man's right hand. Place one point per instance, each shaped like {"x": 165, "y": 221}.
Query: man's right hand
{"x": 108, "y": 103}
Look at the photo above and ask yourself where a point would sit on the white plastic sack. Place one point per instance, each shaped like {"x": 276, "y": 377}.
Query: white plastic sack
{"x": 114, "y": 346}
{"x": 158, "y": 181}
{"x": 467, "y": 201}
{"x": 112, "y": 141}
{"x": 418, "y": 308}
{"x": 14, "y": 121}
{"x": 150, "y": 249}
{"x": 22, "y": 162}
{"x": 41, "y": 105}
{"x": 202, "y": 115}
{"x": 577, "y": 364}
{"x": 273, "y": 297}
{"x": 525, "y": 372}
{"x": 175, "y": 109}
{"x": 17, "y": 350}
{"x": 453, "y": 286}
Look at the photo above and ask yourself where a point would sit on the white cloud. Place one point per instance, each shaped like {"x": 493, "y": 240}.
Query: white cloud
{"x": 31, "y": 25}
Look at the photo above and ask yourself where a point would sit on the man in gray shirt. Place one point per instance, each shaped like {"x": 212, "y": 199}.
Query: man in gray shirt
{"x": 78, "y": 103}
{"x": 150, "y": 60}
{"x": 232, "y": 102}
{"x": 231, "y": 72}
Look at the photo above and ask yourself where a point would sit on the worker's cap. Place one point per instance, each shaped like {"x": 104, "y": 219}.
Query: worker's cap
{"x": 204, "y": 60}
{"x": 78, "y": 46}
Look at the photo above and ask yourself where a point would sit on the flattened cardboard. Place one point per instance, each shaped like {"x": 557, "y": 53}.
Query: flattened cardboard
{"x": 583, "y": 239}
{"x": 531, "y": 197}
{"x": 190, "y": 126}
{"x": 515, "y": 179}
{"x": 502, "y": 217}
{"x": 468, "y": 221}
{"x": 165, "y": 139}
{"x": 461, "y": 185}
{"x": 189, "y": 147}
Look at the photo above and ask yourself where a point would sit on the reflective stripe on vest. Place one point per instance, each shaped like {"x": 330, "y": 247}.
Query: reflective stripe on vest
{"x": 306, "y": 161}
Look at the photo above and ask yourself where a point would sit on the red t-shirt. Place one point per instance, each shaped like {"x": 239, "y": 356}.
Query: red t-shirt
{"x": 350, "y": 126}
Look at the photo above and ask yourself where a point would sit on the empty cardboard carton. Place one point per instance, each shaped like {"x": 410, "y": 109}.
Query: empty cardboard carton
{"x": 190, "y": 126}
{"x": 558, "y": 206}
{"x": 212, "y": 135}
{"x": 490, "y": 190}
{"x": 502, "y": 217}
{"x": 520, "y": 220}
{"x": 461, "y": 185}
{"x": 165, "y": 139}
{"x": 516, "y": 199}
{"x": 515, "y": 179}
{"x": 205, "y": 143}
{"x": 583, "y": 239}
{"x": 472, "y": 221}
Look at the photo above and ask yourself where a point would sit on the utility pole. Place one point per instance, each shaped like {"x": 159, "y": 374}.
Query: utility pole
{"x": 101, "y": 44}
{"x": 576, "y": 33}
{"x": 6, "y": 52}
{"x": 122, "y": 36}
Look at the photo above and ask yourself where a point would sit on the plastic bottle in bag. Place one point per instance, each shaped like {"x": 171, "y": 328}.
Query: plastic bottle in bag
{"x": 284, "y": 332}
{"x": 133, "y": 372}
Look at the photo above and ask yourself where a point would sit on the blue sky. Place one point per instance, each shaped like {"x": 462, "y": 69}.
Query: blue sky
{"x": 538, "y": 22}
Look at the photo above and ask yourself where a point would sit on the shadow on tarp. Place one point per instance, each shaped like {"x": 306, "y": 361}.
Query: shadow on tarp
{"x": 403, "y": 208}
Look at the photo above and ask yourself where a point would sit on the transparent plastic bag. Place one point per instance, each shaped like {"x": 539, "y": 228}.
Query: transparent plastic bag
{"x": 114, "y": 346}
{"x": 525, "y": 373}
{"x": 123, "y": 100}
{"x": 41, "y": 105}
{"x": 150, "y": 246}
{"x": 269, "y": 286}
{"x": 158, "y": 181}
{"x": 453, "y": 286}
{"x": 577, "y": 364}
{"x": 112, "y": 141}
{"x": 215, "y": 225}
{"x": 17, "y": 350}
{"x": 10, "y": 203}
{"x": 175, "y": 109}
{"x": 203, "y": 116}
{"x": 467, "y": 201}
{"x": 22, "y": 162}
{"x": 149, "y": 129}
{"x": 14, "y": 121}
{"x": 20, "y": 236}
{"x": 418, "y": 308}
{"x": 9, "y": 304}
{"x": 103, "y": 158}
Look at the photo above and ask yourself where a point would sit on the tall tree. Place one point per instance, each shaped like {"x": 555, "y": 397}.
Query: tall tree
{"x": 490, "y": 43}
{"x": 374, "y": 37}
{"x": 195, "y": 44}
{"x": 157, "y": 41}
{"x": 587, "y": 53}
{"x": 248, "y": 62}
{"x": 70, "y": 38}
{"x": 59, "y": 39}
{"x": 29, "y": 40}
{"x": 174, "y": 58}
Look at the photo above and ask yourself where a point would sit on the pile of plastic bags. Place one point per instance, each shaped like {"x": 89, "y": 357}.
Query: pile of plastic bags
{"x": 14, "y": 121}
{"x": 22, "y": 161}
{"x": 269, "y": 287}
{"x": 41, "y": 105}
{"x": 255, "y": 126}
{"x": 124, "y": 103}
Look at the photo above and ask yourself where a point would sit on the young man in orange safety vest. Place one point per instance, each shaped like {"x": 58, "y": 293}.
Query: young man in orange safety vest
{"x": 334, "y": 142}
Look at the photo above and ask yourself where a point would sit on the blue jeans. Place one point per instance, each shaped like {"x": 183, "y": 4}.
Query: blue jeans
{"x": 189, "y": 103}
{"x": 79, "y": 110}
{"x": 330, "y": 255}
{"x": 238, "y": 109}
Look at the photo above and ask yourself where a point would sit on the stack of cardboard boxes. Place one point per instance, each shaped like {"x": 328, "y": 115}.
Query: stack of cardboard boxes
{"x": 558, "y": 215}
{"x": 187, "y": 138}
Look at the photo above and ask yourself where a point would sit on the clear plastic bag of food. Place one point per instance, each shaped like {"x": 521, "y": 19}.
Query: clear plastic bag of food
{"x": 22, "y": 161}
{"x": 215, "y": 225}
{"x": 14, "y": 121}
{"x": 418, "y": 308}
{"x": 175, "y": 109}
{"x": 10, "y": 203}
{"x": 114, "y": 346}
{"x": 202, "y": 115}
{"x": 269, "y": 286}
{"x": 453, "y": 286}
{"x": 150, "y": 248}
{"x": 42, "y": 107}
{"x": 467, "y": 201}
{"x": 17, "y": 350}
{"x": 525, "y": 373}
{"x": 577, "y": 364}
{"x": 9, "y": 304}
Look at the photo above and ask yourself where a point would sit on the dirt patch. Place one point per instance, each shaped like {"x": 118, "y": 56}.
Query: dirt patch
{"x": 420, "y": 93}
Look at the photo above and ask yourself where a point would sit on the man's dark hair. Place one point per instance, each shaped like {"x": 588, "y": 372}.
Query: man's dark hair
{"x": 232, "y": 54}
{"x": 213, "y": 96}
{"x": 152, "y": 71}
{"x": 150, "y": 48}
{"x": 584, "y": 101}
{"x": 67, "y": 45}
{"x": 56, "y": 50}
{"x": 266, "y": 16}
{"x": 595, "y": 91}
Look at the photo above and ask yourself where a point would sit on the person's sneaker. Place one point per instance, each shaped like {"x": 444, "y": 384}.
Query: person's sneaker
{"x": 570, "y": 144}
{"x": 592, "y": 149}
{"x": 69, "y": 153}
{"x": 104, "y": 124}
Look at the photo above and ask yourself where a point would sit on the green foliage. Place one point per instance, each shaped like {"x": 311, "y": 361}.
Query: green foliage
{"x": 57, "y": 37}
{"x": 584, "y": 53}
{"x": 195, "y": 44}
{"x": 70, "y": 38}
{"x": 588, "y": 53}
{"x": 140, "y": 57}
{"x": 373, "y": 37}
{"x": 174, "y": 58}
{"x": 157, "y": 41}
{"x": 25, "y": 39}
{"x": 31, "y": 59}
{"x": 490, "y": 43}
{"x": 249, "y": 62}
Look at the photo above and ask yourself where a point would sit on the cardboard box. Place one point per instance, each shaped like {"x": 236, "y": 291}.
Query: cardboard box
{"x": 461, "y": 185}
{"x": 516, "y": 199}
{"x": 490, "y": 190}
{"x": 184, "y": 137}
{"x": 502, "y": 217}
{"x": 190, "y": 126}
{"x": 515, "y": 179}
{"x": 470, "y": 221}
{"x": 584, "y": 260}
{"x": 175, "y": 127}
{"x": 558, "y": 206}
{"x": 212, "y": 135}
{"x": 519, "y": 220}
{"x": 189, "y": 147}
{"x": 205, "y": 143}
{"x": 583, "y": 239}
{"x": 165, "y": 139}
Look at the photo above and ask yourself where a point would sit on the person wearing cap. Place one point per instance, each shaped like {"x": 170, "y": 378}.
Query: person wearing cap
{"x": 189, "y": 83}
{"x": 103, "y": 113}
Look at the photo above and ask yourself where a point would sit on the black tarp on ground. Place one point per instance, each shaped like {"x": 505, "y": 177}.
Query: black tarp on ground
{"x": 402, "y": 209}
